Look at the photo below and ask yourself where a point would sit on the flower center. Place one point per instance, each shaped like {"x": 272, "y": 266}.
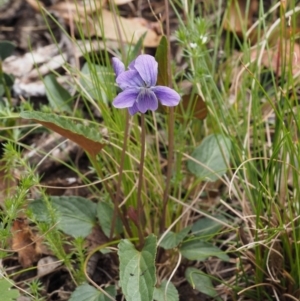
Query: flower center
{"x": 144, "y": 92}
{"x": 146, "y": 85}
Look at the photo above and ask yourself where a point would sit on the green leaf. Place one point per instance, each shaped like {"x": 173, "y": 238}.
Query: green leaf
{"x": 161, "y": 57}
{"x": 105, "y": 214}
{"x": 171, "y": 294}
{"x": 2, "y": 90}
{"x": 97, "y": 81}
{"x": 87, "y": 136}
{"x": 207, "y": 227}
{"x": 57, "y": 95}
{"x": 137, "y": 49}
{"x": 137, "y": 269}
{"x": 172, "y": 240}
{"x": 86, "y": 292}
{"x": 213, "y": 154}
{"x": 7, "y": 292}
{"x": 201, "y": 250}
{"x": 201, "y": 282}
{"x": 6, "y": 49}
{"x": 8, "y": 79}
{"x": 76, "y": 216}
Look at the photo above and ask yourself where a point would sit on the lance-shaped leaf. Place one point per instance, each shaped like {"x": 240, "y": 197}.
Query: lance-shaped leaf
{"x": 201, "y": 250}
{"x": 161, "y": 57}
{"x": 87, "y": 136}
{"x": 57, "y": 95}
{"x": 137, "y": 48}
{"x": 207, "y": 227}
{"x": 137, "y": 270}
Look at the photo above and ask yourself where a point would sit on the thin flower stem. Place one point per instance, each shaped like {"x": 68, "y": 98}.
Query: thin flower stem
{"x": 169, "y": 168}
{"x": 118, "y": 193}
{"x": 93, "y": 159}
{"x": 140, "y": 183}
{"x": 170, "y": 126}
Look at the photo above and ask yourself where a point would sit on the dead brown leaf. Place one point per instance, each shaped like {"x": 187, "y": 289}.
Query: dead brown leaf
{"x": 131, "y": 29}
{"x": 92, "y": 147}
{"x": 93, "y": 20}
{"x": 285, "y": 52}
{"x": 95, "y": 239}
{"x": 7, "y": 184}
{"x": 193, "y": 104}
{"x": 236, "y": 18}
{"x": 133, "y": 215}
{"x": 276, "y": 260}
{"x": 25, "y": 243}
{"x": 47, "y": 265}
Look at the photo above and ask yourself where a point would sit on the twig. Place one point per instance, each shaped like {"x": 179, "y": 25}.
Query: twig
{"x": 170, "y": 125}
{"x": 140, "y": 183}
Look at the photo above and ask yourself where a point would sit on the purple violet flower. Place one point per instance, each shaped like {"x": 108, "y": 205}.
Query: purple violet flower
{"x": 138, "y": 84}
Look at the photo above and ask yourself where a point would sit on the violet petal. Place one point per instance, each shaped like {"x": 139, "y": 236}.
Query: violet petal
{"x": 167, "y": 96}
{"x": 147, "y": 67}
{"x": 134, "y": 109}
{"x": 129, "y": 79}
{"x": 126, "y": 99}
{"x": 147, "y": 101}
{"x": 118, "y": 66}
{"x": 131, "y": 65}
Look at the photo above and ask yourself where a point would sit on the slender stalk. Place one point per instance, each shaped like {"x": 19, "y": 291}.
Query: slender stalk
{"x": 169, "y": 168}
{"x": 118, "y": 193}
{"x": 140, "y": 183}
{"x": 170, "y": 126}
{"x": 121, "y": 167}
{"x": 93, "y": 159}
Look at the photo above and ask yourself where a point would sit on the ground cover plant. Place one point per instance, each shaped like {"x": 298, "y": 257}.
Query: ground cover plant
{"x": 150, "y": 158}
